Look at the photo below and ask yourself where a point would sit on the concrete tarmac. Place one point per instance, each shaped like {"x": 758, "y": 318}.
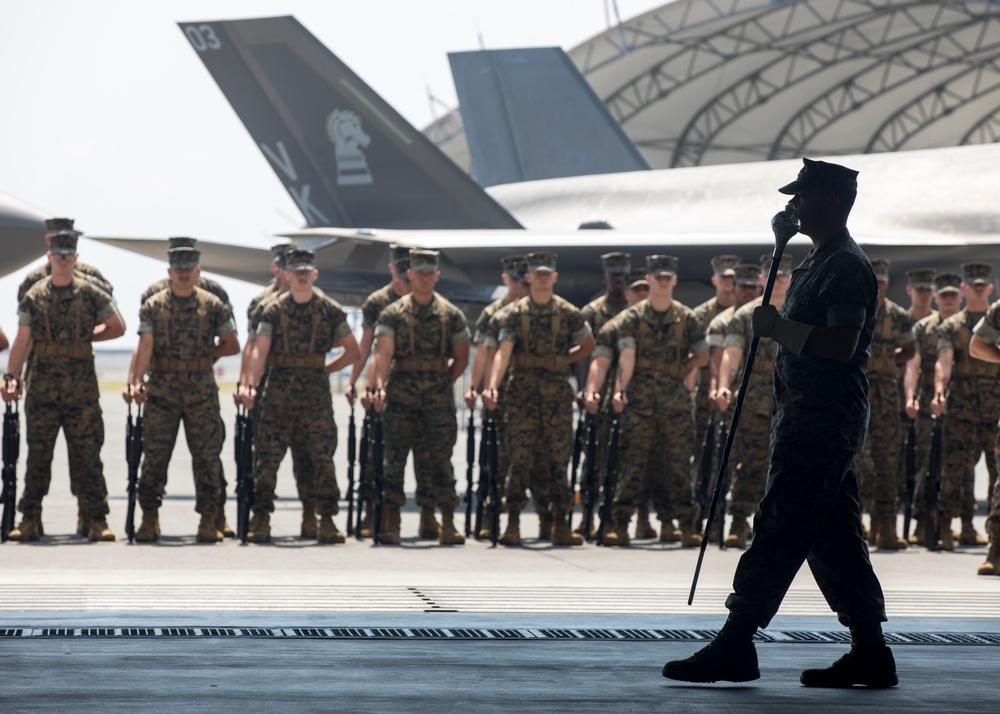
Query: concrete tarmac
{"x": 297, "y": 626}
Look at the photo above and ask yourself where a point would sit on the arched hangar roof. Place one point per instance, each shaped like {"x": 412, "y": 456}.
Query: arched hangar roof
{"x": 699, "y": 82}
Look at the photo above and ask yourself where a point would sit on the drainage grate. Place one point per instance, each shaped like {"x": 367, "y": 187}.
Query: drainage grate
{"x": 473, "y": 633}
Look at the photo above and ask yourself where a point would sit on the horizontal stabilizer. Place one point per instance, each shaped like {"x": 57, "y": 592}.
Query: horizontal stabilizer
{"x": 345, "y": 156}
{"x": 529, "y": 114}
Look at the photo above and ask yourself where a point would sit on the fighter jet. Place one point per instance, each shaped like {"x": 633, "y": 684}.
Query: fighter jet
{"x": 22, "y": 227}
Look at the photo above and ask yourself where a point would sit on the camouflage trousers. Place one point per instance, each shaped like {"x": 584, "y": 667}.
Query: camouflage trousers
{"x": 878, "y": 465}
{"x": 430, "y": 433}
{"x": 539, "y": 431}
{"x": 164, "y": 411}
{"x": 302, "y": 468}
{"x": 964, "y": 442}
{"x": 656, "y": 425}
{"x": 993, "y": 519}
{"x": 83, "y": 428}
{"x": 751, "y": 450}
{"x": 300, "y": 419}
{"x": 810, "y": 512}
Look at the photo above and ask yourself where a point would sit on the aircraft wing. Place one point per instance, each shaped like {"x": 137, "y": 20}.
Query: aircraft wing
{"x": 22, "y": 234}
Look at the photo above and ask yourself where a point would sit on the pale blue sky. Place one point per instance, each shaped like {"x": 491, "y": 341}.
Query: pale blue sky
{"x": 109, "y": 116}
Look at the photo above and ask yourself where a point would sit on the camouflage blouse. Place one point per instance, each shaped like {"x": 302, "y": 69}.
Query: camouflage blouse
{"x": 375, "y": 303}
{"x": 542, "y": 336}
{"x": 893, "y": 328}
{"x": 599, "y": 311}
{"x": 82, "y": 270}
{"x": 662, "y": 342}
{"x": 485, "y": 328}
{"x": 760, "y": 391}
{"x": 972, "y": 391}
{"x": 203, "y": 283}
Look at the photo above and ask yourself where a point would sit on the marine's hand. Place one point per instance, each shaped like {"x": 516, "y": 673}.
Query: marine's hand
{"x": 912, "y": 409}
{"x": 490, "y": 398}
{"x": 351, "y": 393}
{"x": 938, "y": 405}
{"x": 127, "y": 394}
{"x": 723, "y": 399}
{"x": 592, "y": 402}
{"x": 619, "y": 401}
{"x": 763, "y": 319}
{"x": 378, "y": 399}
{"x": 470, "y": 398}
{"x": 11, "y": 389}
{"x": 139, "y": 393}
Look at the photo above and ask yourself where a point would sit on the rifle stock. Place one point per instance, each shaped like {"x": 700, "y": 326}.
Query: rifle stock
{"x": 470, "y": 462}
{"x": 932, "y": 488}
{"x": 11, "y": 451}
{"x": 610, "y": 475}
{"x": 590, "y": 475}
{"x": 133, "y": 456}
{"x": 244, "y": 472}
{"x": 910, "y": 458}
{"x": 364, "y": 443}
{"x": 352, "y": 454}
{"x": 705, "y": 468}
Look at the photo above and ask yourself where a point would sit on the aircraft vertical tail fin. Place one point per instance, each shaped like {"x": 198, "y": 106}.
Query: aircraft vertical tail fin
{"x": 529, "y": 114}
{"x": 346, "y": 157}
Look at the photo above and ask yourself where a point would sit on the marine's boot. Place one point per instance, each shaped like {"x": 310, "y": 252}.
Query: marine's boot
{"x": 617, "y": 535}
{"x": 869, "y": 663}
{"x": 871, "y": 534}
{"x": 887, "y": 538}
{"x": 449, "y": 534}
{"x": 99, "y": 531}
{"x": 512, "y": 535}
{"x": 917, "y": 536}
{"x": 149, "y": 529}
{"x": 668, "y": 533}
{"x": 586, "y": 528}
{"x": 716, "y": 529}
{"x": 29, "y": 529}
{"x": 365, "y": 529}
{"x": 689, "y": 539}
{"x": 947, "y": 541}
{"x": 968, "y": 536}
{"x": 309, "y": 529}
{"x": 992, "y": 564}
{"x": 544, "y": 525}
{"x": 737, "y": 537}
{"x": 730, "y": 657}
{"x": 208, "y": 531}
{"x": 223, "y": 525}
{"x": 561, "y": 534}
{"x": 82, "y": 521}
{"x": 327, "y": 531}
{"x": 259, "y": 530}
{"x": 389, "y": 532}
{"x": 429, "y": 528}
{"x": 642, "y": 527}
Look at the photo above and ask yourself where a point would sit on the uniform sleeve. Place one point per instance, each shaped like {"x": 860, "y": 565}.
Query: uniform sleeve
{"x": 145, "y": 318}
{"x": 945, "y": 335}
{"x": 385, "y": 324}
{"x": 24, "y": 312}
{"x": 338, "y": 319}
{"x": 904, "y": 324}
{"x": 479, "y": 330}
{"x": 736, "y": 331}
{"x": 627, "y": 332}
{"x": 369, "y": 313}
{"x": 225, "y": 322}
{"x": 506, "y": 320}
{"x": 847, "y": 290}
{"x": 459, "y": 328}
{"x": 988, "y": 328}
{"x": 696, "y": 342}
{"x": 579, "y": 327}
{"x": 715, "y": 334}
{"x": 268, "y": 318}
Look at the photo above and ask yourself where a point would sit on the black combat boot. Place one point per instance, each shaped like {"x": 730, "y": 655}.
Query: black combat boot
{"x": 869, "y": 663}
{"x": 730, "y": 657}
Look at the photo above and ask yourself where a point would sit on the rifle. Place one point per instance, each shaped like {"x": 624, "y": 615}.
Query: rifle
{"x": 705, "y": 468}
{"x": 932, "y": 488}
{"x": 11, "y": 450}
{"x": 494, "y": 477}
{"x": 591, "y": 475}
{"x": 784, "y": 225}
{"x": 470, "y": 462}
{"x": 244, "y": 471}
{"x": 352, "y": 453}
{"x": 378, "y": 446}
{"x": 133, "y": 455}
{"x": 910, "y": 458}
{"x": 366, "y": 430}
{"x": 724, "y": 477}
{"x": 483, "y": 485}
{"x": 610, "y": 474}
{"x": 581, "y": 426}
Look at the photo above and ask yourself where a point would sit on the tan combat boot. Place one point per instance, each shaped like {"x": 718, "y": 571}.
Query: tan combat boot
{"x": 99, "y": 531}
{"x": 208, "y": 532}
{"x": 887, "y": 538}
{"x": 544, "y": 525}
{"x": 223, "y": 525}
{"x": 28, "y": 530}
{"x": 586, "y": 528}
{"x": 968, "y": 535}
{"x": 389, "y": 532}
{"x": 992, "y": 564}
{"x": 668, "y": 533}
{"x": 561, "y": 534}
{"x": 917, "y": 536}
{"x": 327, "y": 531}
{"x": 429, "y": 528}
{"x": 259, "y": 530}
{"x": 82, "y": 522}
{"x": 737, "y": 537}
{"x": 512, "y": 535}
{"x": 689, "y": 539}
{"x": 149, "y": 529}
{"x": 309, "y": 529}
{"x": 617, "y": 535}
{"x": 449, "y": 534}
{"x": 947, "y": 541}
{"x": 365, "y": 529}
{"x": 643, "y": 529}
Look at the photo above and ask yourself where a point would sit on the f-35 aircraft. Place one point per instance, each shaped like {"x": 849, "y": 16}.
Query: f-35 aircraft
{"x": 22, "y": 228}
{"x": 363, "y": 177}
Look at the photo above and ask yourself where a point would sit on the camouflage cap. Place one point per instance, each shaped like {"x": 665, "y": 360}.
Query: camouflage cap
{"x": 976, "y": 273}
{"x": 748, "y": 273}
{"x": 784, "y": 265}
{"x": 661, "y": 265}
{"x": 428, "y": 261}
{"x": 181, "y": 242}
{"x": 920, "y": 278}
{"x": 63, "y": 242}
{"x": 279, "y": 253}
{"x": 636, "y": 279}
{"x": 541, "y": 260}
{"x": 617, "y": 263}
{"x": 725, "y": 265}
{"x": 948, "y": 282}
{"x": 881, "y": 268}
{"x": 59, "y": 225}
{"x": 829, "y": 178}
{"x": 399, "y": 256}
{"x": 299, "y": 259}
{"x": 514, "y": 266}
{"x": 183, "y": 257}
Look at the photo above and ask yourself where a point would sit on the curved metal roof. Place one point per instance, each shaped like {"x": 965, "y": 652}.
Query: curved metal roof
{"x": 698, "y": 82}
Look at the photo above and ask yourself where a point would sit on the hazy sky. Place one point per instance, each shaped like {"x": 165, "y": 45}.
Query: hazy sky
{"x": 108, "y": 116}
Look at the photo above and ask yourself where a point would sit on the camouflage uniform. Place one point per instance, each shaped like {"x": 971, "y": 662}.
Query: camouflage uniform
{"x": 988, "y": 330}
{"x": 658, "y": 417}
{"x": 539, "y": 416}
{"x": 878, "y": 465}
{"x": 485, "y": 335}
{"x": 296, "y": 409}
{"x": 64, "y": 391}
{"x": 973, "y": 407}
{"x": 80, "y": 270}
{"x": 810, "y": 510}
{"x": 203, "y": 283}
{"x": 419, "y": 412}
{"x": 182, "y": 386}
{"x": 925, "y": 341}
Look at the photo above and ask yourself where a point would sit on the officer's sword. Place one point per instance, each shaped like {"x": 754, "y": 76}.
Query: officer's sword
{"x": 785, "y": 225}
